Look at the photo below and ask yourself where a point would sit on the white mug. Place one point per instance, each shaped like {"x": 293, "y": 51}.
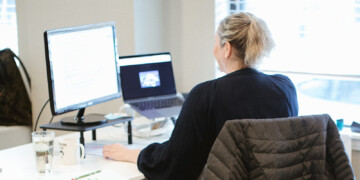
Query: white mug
{"x": 70, "y": 151}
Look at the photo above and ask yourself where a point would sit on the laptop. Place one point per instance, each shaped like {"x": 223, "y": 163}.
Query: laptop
{"x": 148, "y": 85}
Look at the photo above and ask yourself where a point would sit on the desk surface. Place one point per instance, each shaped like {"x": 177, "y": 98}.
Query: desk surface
{"x": 19, "y": 162}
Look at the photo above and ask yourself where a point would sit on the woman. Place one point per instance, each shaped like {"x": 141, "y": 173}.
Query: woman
{"x": 244, "y": 92}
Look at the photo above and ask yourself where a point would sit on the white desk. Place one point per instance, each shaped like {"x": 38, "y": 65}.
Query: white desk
{"x": 19, "y": 162}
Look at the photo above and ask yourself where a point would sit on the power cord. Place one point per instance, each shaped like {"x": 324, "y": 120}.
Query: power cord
{"x": 52, "y": 117}
{"x": 37, "y": 120}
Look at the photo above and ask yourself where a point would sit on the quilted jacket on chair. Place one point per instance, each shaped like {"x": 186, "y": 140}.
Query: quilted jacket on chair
{"x": 307, "y": 147}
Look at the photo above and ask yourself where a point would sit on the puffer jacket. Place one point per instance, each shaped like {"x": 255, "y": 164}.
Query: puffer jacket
{"x": 304, "y": 147}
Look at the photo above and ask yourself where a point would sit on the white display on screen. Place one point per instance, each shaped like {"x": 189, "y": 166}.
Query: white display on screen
{"x": 149, "y": 79}
{"x": 145, "y": 60}
{"x": 83, "y": 66}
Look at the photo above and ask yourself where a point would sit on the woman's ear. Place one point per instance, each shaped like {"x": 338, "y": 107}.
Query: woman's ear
{"x": 227, "y": 48}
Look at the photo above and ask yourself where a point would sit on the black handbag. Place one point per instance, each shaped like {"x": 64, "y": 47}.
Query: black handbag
{"x": 15, "y": 104}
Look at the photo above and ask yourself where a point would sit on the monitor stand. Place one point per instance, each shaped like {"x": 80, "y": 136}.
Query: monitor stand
{"x": 80, "y": 119}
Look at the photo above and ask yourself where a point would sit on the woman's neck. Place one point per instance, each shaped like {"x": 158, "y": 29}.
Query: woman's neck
{"x": 234, "y": 66}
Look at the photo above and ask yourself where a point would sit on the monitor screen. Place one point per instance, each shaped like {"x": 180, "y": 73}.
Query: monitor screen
{"x": 81, "y": 66}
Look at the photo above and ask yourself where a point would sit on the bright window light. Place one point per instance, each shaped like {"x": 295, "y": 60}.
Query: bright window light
{"x": 8, "y": 26}
{"x": 316, "y": 46}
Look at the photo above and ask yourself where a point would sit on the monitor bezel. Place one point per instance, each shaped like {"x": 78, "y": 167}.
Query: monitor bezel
{"x": 50, "y": 77}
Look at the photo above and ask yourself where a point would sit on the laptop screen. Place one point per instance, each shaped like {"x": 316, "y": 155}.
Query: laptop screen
{"x": 146, "y": 75}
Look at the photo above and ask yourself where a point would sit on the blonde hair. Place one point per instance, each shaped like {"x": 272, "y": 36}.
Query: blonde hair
{"x": 249, "y": 35}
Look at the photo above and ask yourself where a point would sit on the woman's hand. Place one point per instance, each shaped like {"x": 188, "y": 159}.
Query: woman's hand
{"x": 119, "y": 152}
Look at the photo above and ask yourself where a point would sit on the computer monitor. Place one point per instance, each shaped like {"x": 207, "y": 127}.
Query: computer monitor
{"x": 82, "y": 69}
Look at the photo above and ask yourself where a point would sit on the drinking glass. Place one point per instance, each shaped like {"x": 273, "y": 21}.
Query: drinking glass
{"x": 43, "y": 142}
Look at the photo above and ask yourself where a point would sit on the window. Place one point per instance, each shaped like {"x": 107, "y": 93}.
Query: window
{"x": 316, "y": 46}
{"x": 8, "y": 27}
{"x": 357, "y": 11}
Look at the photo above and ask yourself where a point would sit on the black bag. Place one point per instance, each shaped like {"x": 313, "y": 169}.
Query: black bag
{"x": 15, "y": 104}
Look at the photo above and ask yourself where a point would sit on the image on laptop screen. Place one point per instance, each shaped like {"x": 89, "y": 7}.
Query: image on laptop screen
{"x": 146, "y": 75}
{"x": 149, "y": 79}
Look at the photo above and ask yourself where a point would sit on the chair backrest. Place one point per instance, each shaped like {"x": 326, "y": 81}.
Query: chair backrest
{"x": 306, "y": 147}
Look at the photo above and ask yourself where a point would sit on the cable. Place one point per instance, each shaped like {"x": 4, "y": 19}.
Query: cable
{"x": 52, "y": 117}
{"x": 37, "y": 120}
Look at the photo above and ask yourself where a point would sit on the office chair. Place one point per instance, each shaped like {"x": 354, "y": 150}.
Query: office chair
{"x": 304, "y": 147}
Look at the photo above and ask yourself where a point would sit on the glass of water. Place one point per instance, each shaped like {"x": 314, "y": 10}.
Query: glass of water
{"x": 43, "y": 142}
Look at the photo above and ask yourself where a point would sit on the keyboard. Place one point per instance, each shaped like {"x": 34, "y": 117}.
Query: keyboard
{"x": 158, "y": 104}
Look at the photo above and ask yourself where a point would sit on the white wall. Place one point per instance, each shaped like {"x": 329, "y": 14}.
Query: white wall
{"x": 149, "y": 26}
{"x": 185, "y": 28}
{"x": 158, "y": 28}
{"x": 36, "y": 16}
{"x": 197, "y": 40}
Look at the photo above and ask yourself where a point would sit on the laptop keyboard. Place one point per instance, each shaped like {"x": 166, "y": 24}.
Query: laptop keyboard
{"x": 157, "y": 104}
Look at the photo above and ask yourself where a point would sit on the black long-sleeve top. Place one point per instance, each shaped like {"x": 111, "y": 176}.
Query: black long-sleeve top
{"x": 246, "y": 93}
